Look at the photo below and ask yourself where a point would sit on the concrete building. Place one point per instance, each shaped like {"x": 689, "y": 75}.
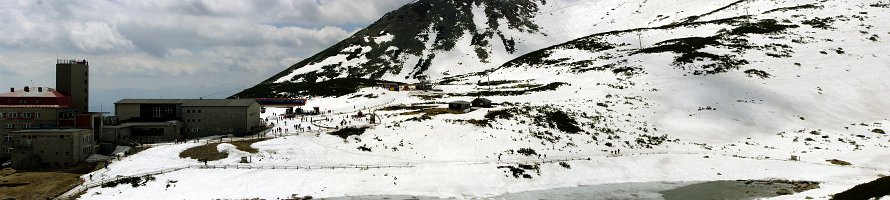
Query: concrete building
{"x": 27, "y": 109}
{"x": 73, "y": 80}
{"x": 51, "y": 147}
{"x": 66, "y": 106}
{"x": 157, "y": 120}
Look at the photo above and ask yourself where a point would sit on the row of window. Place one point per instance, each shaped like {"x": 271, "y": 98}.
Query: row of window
{"x": 224, "y": 130}
{"x": 45, "y": 136}
{"x": 19, "y": 115}
{"x": 161, "y": 111}
{"x": 23, "y": 101}
{"x": 192, "y": 120}
{"x": 193, "y": 111}
{"x": 24, "y": 126}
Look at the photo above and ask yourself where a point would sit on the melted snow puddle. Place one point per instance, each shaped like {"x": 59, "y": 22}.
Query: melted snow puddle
{"x": 724, "y": 190}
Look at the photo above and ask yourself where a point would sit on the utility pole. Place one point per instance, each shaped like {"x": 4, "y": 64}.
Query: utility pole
{"x": 640, "y": 39}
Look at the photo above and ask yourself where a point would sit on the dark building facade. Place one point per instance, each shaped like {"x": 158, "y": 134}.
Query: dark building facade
{"x": 161, "y": 120}
{"x": 481, "y": 102}
{"x": 51, "y": 147}
{"x": 73, "y": 80}
{"x": 459, "y": 105}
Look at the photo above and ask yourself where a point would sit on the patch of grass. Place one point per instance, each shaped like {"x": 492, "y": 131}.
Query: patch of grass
{"x": 565, "y": 165}
{"x": 682, "y": 45}
{"x": 880, "y": 4}
{"x": 244, "y": 145}
{"x": 429, "y": 97}
{"x": 40, "y": 185}
{"x": 839, "y": 162}
{"x": 756, "y": 72}
{"x": 334, "y": 87}
{"x": 548, "y": 87}
{"x": 878, "y": 131}
{"x": 766, "y": 26}
{"x": 872, "y": 190}
{"x": 800, "y": 7}
{"x": 346, "y": 132}
{"x": 476, "y": 122}
{"x": 526, "y": 151}
{"x": 501, "y": 114}
{"x": 558, "y": 119}
{"x": 497, "y": 82}
{"x": 207, "y": 152}
{"x": 649, "y": 141}
{"x": 822, "y": 23}
{"x": 132, "y": 181}
{"x": 520, "y": 169}
{"x": 364, "y": 147}
{"x": 687, "y": 48}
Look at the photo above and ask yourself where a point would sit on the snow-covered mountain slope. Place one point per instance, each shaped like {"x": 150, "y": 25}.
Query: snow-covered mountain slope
{"x": 436, "y": 38}
{"x": 810, "y": 64}
{"x": 733, "y": 90}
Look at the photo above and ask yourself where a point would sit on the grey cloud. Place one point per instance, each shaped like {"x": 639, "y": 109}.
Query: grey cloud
{"x": 92, "y": 36}
{"x": 178, "y": 41}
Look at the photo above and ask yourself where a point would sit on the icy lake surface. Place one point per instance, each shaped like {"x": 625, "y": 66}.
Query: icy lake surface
{"x": 726, "y": 190}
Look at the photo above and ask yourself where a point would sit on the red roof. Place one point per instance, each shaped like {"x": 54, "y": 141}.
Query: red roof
{"x": 34, "y": 98}
{"x": 47, "y": 92}
{"x": 32, "y": 106}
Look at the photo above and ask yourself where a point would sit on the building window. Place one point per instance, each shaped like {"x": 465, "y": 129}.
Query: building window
{"x": 27, "y": 115}
{"x": 2, "y": 115}
{"x": 7, "y": 138}
{"x": 146, "y": 132}
{"x": 10, "y": 126}
{"x": 156, "y": 112}
{"x": 8, "y": 150}
{"x": 13, "y": 115}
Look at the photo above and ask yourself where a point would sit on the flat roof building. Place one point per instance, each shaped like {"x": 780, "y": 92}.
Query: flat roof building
{"x": 51, "y": 147}
{"x": 28, "y": 109}
{"x": 157, "y": 120}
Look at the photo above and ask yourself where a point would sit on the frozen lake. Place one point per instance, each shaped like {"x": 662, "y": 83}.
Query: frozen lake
{"x": 726, "y": 190}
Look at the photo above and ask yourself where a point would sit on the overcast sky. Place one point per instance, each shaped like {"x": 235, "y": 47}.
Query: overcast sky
{"x": 171, "y": 48}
